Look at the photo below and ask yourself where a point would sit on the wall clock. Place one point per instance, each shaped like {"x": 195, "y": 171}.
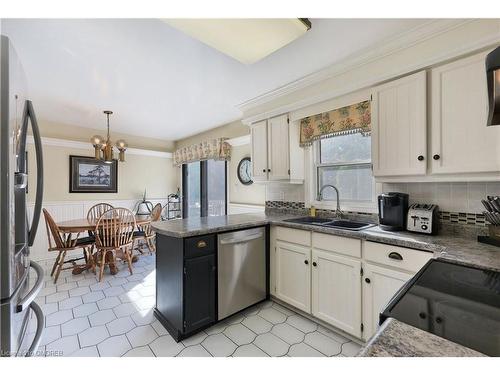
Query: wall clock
{"x": 245, "y": 171}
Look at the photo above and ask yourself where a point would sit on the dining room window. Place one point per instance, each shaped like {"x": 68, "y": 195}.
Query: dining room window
{"x": 204, "y": 188}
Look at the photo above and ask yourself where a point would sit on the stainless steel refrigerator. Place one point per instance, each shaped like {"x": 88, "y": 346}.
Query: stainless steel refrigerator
{"x": 17, "y": 291}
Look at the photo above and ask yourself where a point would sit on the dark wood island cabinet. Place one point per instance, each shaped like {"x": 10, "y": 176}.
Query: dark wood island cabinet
{"x": 186, "y": 283}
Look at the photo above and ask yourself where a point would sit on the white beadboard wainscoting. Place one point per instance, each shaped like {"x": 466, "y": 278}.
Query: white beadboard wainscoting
{"x": 69, "y": 210}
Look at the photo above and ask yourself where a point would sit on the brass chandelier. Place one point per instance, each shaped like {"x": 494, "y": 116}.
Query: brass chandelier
{"x": 104, "y": 149}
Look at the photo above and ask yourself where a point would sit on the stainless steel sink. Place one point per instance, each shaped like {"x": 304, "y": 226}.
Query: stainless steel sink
{"x": 309, "y": 220}
{"x": 331, "y": 223}
{"x": 348, "y": 224}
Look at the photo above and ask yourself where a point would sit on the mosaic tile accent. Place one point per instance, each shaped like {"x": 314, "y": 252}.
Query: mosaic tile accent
{"x": 445, "y": 217}
{"x": 462, "y": 218}
{"x": 285, "y": 205}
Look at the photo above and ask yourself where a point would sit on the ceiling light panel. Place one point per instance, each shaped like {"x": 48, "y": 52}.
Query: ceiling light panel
{"x": 246, "y": 40}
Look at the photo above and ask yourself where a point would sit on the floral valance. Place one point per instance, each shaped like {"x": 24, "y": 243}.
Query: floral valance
{"x": 217, "y": 149}
{"x": 355, "y": 118}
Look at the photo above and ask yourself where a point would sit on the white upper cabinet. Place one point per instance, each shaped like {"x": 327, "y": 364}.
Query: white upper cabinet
{"x": 278, "y": 154}
{"x": 460, "y": 140}
{"x": 399, "y": 120}
{"x": 259, "y": 150}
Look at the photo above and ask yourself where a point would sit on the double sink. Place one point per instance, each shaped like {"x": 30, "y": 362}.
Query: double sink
{"x": 331, "y": 223}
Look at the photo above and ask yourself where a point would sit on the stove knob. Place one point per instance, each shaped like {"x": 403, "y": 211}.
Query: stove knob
{"x": 422, "y": 315}
{"x": 439, "y": 320}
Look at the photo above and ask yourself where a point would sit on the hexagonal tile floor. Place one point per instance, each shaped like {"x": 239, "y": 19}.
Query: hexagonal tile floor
{"x": 114, "y": 317}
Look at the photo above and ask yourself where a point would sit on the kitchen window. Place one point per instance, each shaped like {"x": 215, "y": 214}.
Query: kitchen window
{"x": 204, "y": 188}
{"x": 345, "y": 162}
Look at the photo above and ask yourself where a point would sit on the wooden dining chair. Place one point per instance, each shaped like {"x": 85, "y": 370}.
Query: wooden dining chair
{"x": 145, "y": 232}
{"x": 64, "y": 242}
{"x": 114, "y": 235}
{"x": 96, "y": 211}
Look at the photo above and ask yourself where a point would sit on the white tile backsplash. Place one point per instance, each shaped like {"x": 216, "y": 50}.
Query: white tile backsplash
{"x": 284, "y": 192}
{"x": 450, "y": 196}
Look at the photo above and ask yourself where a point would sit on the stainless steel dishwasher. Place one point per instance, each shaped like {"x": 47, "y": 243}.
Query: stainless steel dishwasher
{"x": 241, "y": 264}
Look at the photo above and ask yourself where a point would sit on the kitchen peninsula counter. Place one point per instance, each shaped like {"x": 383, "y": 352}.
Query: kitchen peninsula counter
{"x": 454, "y": 248}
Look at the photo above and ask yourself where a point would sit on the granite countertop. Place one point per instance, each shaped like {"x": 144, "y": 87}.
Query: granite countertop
{"x": 394, "y": 338}
{"x": 197, "y": 226}
{"x": 397, "y": 339}
{"x": 451, "y": 247}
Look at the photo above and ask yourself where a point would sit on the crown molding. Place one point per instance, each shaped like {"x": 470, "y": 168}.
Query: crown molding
{"x": 57, "y": 142}
{"x": 239, "y": 141}
{"x": 375, "y": 52}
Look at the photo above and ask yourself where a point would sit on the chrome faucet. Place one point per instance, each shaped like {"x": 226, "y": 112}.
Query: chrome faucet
{"x": 338, "y": 211}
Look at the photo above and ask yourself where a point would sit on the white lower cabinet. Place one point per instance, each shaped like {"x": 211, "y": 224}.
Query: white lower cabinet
{"x": 342, "y": 281}
{"x": 293, "y": 275}
{"x": 379, "y": 286}
{"x": 336, "y": 291}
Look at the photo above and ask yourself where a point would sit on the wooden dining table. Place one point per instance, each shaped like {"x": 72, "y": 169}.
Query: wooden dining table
{"x": 85, "y": 224}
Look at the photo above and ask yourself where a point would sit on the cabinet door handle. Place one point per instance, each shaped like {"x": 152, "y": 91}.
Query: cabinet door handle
{"x": 436, "y": 157}
{"x": 367, "y": 280}
{"x": 306, "y": 261}
{"x": 395, "y": 256}
{"x": 420, "y": 157}
{"x": 315, "y": 264}
{"x": 201, "y": 244}
{"x": 269, "y": 170}
{"x": 264, "y": 170}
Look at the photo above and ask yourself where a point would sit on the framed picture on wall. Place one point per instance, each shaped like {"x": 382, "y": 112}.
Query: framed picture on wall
{"x": 89, "y": 175}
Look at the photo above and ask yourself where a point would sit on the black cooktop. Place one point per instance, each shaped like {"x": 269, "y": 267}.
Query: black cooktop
{"x": 459, "y": 303}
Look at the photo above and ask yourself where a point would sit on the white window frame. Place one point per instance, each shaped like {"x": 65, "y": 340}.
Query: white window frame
{"x": 312, "y": 159}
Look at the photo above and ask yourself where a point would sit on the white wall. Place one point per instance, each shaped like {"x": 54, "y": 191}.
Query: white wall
{"x": 254, "y": 194}
{"x": 151, "y": 171}
{"x": 138, "y": 172}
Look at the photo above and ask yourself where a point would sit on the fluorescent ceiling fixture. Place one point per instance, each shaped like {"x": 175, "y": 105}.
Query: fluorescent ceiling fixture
{"x": 246, "y": 40}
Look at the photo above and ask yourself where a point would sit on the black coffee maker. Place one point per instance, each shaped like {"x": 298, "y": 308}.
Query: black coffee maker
{"x": 393, "y": 211}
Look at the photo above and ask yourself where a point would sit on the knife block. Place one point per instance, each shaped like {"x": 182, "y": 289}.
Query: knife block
{"x": 494, "y": 231}
{"x": 494, "y": 236}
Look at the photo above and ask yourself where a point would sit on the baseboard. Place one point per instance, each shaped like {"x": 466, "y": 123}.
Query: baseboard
{"x": 318, "y": 321}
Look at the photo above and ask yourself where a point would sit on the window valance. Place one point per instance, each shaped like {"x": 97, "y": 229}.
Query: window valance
{"x": 217, "y": 149}
{"x": 355, "y": 118}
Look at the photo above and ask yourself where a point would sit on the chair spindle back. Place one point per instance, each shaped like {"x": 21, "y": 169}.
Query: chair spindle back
{"x": 115, "y": 228}
{"x": 53, "y": 231}
{"x": 96, "y": 211}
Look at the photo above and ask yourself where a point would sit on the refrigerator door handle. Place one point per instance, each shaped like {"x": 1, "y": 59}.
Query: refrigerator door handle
{"x": 39, "y": 175}
{"x": 29, "y": 114}
{"x": 28, "y": 299}
{"x": 39, "y": 329}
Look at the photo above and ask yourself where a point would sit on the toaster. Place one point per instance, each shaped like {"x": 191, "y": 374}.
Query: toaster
{"x": 422, "y": 218}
